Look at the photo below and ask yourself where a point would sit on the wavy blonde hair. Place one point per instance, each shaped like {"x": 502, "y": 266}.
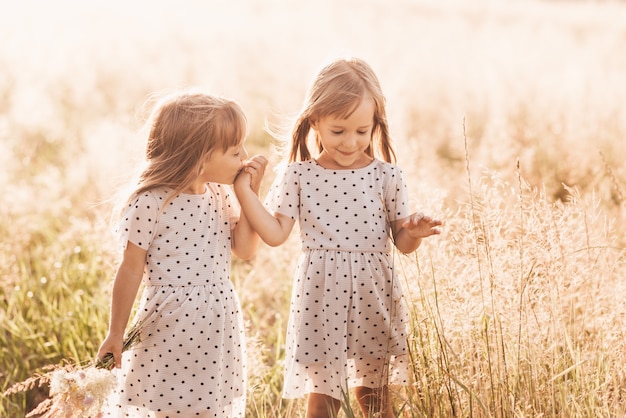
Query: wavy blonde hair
{"x": 183, "y": 129}
{"x": 337, "y": 90}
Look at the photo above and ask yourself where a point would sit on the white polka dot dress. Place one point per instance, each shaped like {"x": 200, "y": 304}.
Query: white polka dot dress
{"x": 191, "y": 358}
{"x": 348, "y": 323}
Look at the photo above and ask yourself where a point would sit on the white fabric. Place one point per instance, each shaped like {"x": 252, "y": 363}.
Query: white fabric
{"x": 348, "y": 322}
{"x": 191, "y": 358}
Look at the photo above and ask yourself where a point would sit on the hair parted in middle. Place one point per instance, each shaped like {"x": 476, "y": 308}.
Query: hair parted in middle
{"x": 338, "y": 90}
{"x": 184, "y": 128}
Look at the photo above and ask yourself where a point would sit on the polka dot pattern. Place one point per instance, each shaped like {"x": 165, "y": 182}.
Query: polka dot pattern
{"x": 348, "y": 323}
{"x": 191, "y": 358}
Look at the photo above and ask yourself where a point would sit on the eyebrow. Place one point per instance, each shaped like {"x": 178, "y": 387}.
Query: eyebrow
{"x": 332, "y": 126}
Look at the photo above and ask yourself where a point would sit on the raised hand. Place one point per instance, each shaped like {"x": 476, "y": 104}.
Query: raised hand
{"x": 419, "y": 225}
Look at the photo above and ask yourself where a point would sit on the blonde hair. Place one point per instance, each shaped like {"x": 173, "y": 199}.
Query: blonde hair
{"x": 184, "y": 128}
{"x": 337, "y": 90}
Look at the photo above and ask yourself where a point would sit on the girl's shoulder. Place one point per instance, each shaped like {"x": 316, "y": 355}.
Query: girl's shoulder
{"x": 386, "y": 167}
{"x": 220, "y": 191}
{"x": 145, "y": 196}
{"x": 294, "y": 167}
{"x": 151, "y": 198}
{"x": 299, "y": 165}
{"x": 385, "y": 164}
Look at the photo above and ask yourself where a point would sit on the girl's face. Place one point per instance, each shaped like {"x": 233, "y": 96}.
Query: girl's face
{"x": 223, "y": 166}
{"x": 346, "y": 140}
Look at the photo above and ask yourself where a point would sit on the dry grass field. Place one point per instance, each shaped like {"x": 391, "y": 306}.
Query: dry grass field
{"x": 509, "y": 119}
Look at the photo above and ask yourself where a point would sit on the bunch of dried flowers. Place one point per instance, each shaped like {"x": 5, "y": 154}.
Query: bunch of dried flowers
{"x": 76, "y": 390}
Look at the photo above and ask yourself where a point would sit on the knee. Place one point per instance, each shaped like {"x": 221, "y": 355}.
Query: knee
{"x": 322, "y": 406}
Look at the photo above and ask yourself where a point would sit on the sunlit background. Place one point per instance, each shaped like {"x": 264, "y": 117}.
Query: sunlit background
{"x": 76, "y": 72}
{"x": 527, "y": 96}
{"x": 428, "y": 54}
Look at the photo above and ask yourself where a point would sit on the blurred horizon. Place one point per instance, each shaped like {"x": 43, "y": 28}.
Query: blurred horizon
{"x": 450, "y": 70}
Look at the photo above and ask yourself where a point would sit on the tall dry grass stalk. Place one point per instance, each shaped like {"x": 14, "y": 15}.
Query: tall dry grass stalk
{"x": 518, "y": 309}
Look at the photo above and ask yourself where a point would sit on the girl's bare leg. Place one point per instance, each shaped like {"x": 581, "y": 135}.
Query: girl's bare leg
{"x": 322, "y": 406}
{"x": 374, "y": 401}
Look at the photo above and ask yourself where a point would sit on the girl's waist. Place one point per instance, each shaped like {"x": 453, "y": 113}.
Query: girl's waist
{"x": 379, "y": 250}
{"x": 195, "y": 282}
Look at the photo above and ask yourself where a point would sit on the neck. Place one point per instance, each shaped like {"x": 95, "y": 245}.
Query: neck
{"x": 196, "y": 188}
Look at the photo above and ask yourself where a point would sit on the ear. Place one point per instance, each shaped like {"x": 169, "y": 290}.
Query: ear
{"x": 313, "y": 124}
{"x": 201, "y": 168}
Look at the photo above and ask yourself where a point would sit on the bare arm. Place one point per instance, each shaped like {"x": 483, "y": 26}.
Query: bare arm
{"x": 245, "y": 240}
{"x": 125, "y": 286}
{"x": 408, "y": 232}
{"x": 273, "y": 229}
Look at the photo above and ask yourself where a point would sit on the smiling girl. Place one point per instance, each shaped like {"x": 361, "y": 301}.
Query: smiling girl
{"x": 348, "y": 324}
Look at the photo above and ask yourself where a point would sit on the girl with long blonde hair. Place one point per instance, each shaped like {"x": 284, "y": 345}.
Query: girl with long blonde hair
{"x": 177, "y": 230}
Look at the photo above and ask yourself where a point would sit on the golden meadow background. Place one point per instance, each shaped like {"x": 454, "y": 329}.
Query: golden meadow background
{"x": 510, "y": 122}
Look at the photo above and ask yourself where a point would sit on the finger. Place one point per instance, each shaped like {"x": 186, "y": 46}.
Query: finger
{"x": 260, "y": 159}
{"x": 101, "y": 354}
{"x": 252, "y": 165}
{"x": 435, "y": 222}
{"x": 260, "y": 163}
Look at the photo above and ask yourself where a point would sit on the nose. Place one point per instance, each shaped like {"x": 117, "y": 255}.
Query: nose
{"x": 351, "y": 141}
{"x": 244, "y": 154}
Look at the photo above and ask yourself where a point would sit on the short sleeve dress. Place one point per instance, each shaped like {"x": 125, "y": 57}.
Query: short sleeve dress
{"x": 191, "y": 358}
{"x": 348, "y": 322}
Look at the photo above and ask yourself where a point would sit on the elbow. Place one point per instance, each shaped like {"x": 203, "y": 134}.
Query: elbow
{"x": 408, "y": 248}
{"x": 274, "y": 234}
{"x": 245, "y": 255}
{"x": 404, "y": 250}
{"x": 273, "y": 239}
{"x": 273, "y": 242}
